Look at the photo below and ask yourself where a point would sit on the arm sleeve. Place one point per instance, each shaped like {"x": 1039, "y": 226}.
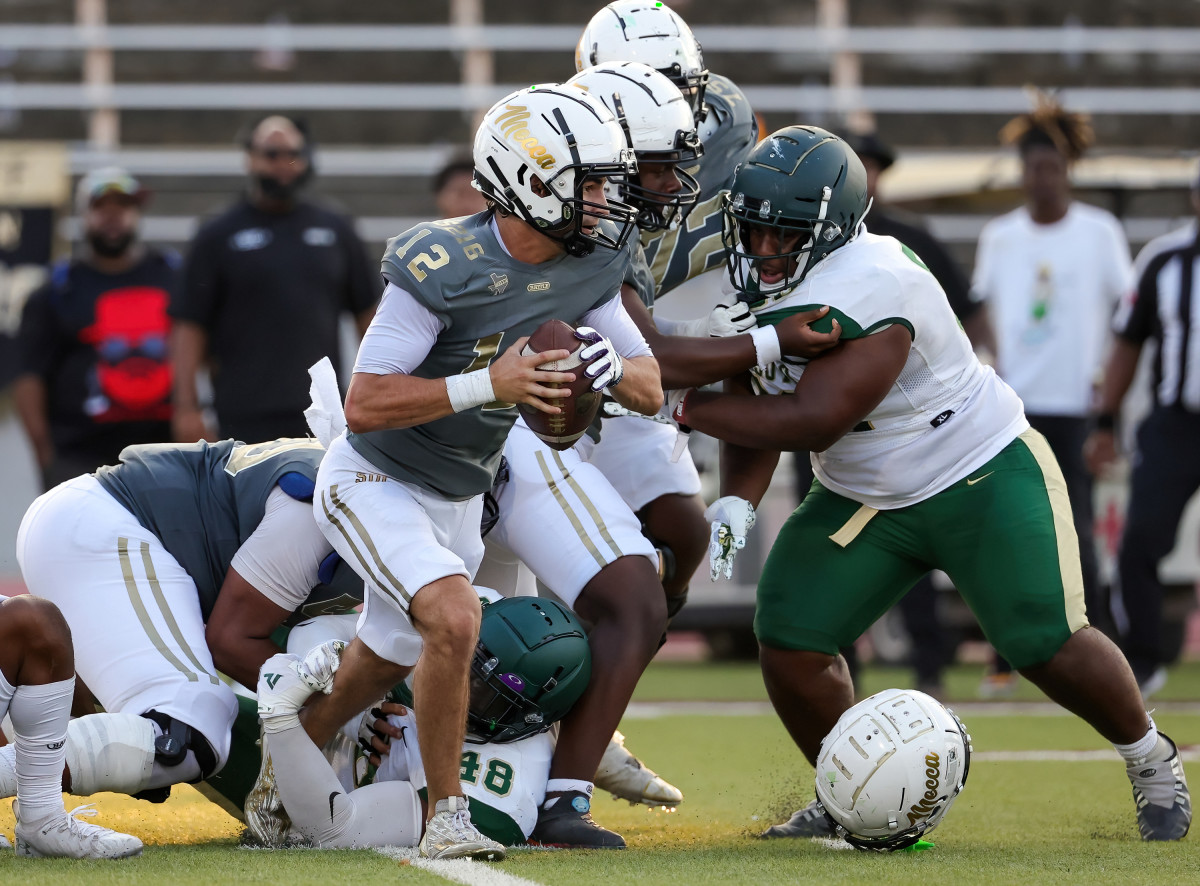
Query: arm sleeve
{"x": 199, "y": 296}
{"x": 400, "y": 337}
{"x": 281, "y": 557}
{"x": 362, "y": 281}
{"x": 613, "y": 321}
{"x": 37, "y": 336}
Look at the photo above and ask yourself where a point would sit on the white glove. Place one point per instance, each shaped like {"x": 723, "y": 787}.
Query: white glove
{"x": 603, "y": 364}
{"x": 731, "y": 518}
{"x": 734, "y": 319}
{"x": 723, "y": 320}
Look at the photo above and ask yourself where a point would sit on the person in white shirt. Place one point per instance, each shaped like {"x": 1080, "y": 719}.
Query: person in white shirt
{"x": 1051, "y": 273}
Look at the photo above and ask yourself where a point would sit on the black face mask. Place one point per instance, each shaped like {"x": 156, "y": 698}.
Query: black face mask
{"x": 109, "y": 247}
{"x": 273, "y": 189}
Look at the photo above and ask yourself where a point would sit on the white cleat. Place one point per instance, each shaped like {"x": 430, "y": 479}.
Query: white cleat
{"x": 285, "y": 683}
{"x": 63, "y": 835}
{"x": 451, "y": 834}
{"x": 625, "y": 777}
{"x": 4, "y": 844}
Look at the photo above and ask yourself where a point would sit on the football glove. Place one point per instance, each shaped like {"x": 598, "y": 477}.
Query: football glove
{"x": 603, "y": 364}
{"x": 731, "y": 319}
{"x": 731, "y": 518}
{"x": 723, "y": 320}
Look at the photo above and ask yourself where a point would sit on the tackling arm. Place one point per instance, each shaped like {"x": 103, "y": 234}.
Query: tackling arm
{"x": 834, "y": 394}
{"x": 239, "y": 629}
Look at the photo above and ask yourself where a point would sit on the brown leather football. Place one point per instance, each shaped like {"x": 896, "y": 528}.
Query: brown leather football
{"x": 578, "y": 410}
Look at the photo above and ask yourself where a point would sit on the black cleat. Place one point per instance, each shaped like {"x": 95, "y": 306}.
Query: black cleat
{"x": 1156, "y": 822}
{"x": 810, "y": 821}
{"x": 568, "y": 825}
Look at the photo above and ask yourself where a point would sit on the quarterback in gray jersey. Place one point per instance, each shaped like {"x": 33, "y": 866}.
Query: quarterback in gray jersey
{"x": 430, "y": 405}
{"x": 171, "y": 569}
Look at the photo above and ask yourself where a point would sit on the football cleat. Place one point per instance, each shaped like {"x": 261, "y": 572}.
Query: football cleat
{"x": 568, "y": 824}
{"x": 1162, "y": 781}
{"x": 266, "y": 819}
{"x": 63, "y": 835}
{"x": 809, "y": 821}
{"x": 450, "y": 834}
{"x": 625, "y": 777}
{"x": 4, "y": 844}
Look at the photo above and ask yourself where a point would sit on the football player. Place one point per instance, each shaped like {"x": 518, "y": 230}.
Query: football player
{"x": 37, "y": 681}
{"x": 575, "y": 527}
{"x": 171, "y": 568}
{"x": 430, "y": 405}
{"x": 530, "y": 665}
{"x": 923, "y": 459}
{"x": 655, "y": 35}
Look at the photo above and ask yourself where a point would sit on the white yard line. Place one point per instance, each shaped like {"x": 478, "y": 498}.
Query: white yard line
{"x": 1189, "y": 755}
{"x": 459, "y": 870}
{"x": 653, "y": 710}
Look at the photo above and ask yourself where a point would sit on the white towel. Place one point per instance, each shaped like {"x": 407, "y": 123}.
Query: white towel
{"x": 325, "y": 416}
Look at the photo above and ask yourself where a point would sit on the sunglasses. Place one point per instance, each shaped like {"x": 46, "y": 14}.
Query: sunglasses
{"x": 276, "y": 153}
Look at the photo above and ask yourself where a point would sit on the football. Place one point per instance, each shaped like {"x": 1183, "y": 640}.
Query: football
{"x": 578, "y": 410}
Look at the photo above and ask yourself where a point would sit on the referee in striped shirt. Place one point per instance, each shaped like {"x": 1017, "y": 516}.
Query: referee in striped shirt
{"x": 1165, "y": 307}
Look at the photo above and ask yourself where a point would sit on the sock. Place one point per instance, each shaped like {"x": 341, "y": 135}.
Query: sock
{"x": 39, "y": 715}
{"x": 562, "y": 786}
{"x": 1141, "y": 750}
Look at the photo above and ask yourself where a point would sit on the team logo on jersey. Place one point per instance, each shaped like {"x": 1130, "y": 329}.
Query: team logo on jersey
{"x": 514, "y": 124}
{"x": 319, "y": 236}
{"x": 499, "y": 283}
{"x": 538, "y": 287}
{"x": 250, "y": 239}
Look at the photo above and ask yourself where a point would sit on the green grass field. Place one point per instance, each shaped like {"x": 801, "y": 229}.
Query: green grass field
{"x": 1018, "y": 821}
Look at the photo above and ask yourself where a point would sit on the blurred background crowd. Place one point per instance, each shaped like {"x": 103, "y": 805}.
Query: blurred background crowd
{"x": 193, "y": 201}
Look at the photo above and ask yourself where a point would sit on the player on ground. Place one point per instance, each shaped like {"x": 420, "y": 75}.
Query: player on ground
{"x": 923, "y": 459}
{"x": 37, "y": 681}
{"x": 172, "y": 567}
{"x": 429, "y": 408}
{"x": 530, "y": 665}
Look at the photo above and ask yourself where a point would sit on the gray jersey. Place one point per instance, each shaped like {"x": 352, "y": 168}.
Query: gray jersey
{"x": 203, "y": 500}
{"x": 485, "y": 300}
{"x": 728, "y": 133}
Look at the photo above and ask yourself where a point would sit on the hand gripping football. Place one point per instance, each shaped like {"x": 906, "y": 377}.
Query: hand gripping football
{"x": 578, "y": 410}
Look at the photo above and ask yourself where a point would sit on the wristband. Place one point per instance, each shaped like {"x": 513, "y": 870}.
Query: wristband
{"x": 766, "y": 346}
{"x": 1106, "y": 421}
{"x": 470, "y": 389}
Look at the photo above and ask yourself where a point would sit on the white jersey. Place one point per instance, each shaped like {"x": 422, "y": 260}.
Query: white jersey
{"x": 505, "y": 783}
{"x": 1051, "y": 291}
{"x": 945, "y": 415}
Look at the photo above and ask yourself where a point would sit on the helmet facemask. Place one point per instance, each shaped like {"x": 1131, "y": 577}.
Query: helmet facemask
{"x": 533, "y": 161}
{"x": 813, "y": 238}
{"x": 660, "y": 210}
{"x": 497, "y": 711}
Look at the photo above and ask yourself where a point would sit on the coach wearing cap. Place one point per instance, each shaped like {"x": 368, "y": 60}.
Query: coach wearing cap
{"x": 92, "y": 347}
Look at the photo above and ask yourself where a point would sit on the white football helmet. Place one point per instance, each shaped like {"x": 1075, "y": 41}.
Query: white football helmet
{"x": 891, "y": 767}
{"x": 658, "y": 124}
{"x": 651, "y": 33}
{"x": 560, "y": 137}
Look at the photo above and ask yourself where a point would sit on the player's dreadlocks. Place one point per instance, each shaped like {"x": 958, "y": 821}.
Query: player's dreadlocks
{"x": 1049, "y": 123}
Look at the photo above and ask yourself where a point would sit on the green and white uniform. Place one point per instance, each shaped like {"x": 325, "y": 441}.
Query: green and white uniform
{"x": 943, "y": 473}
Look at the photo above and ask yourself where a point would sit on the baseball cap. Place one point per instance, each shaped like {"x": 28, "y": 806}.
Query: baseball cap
{"x": 107, "y": 180}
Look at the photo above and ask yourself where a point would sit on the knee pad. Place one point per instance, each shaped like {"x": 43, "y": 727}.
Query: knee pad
{"x": 109, "y": 752}
{"x": 177, "y": 738}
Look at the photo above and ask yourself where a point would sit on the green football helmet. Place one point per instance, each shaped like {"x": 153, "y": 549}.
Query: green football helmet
{"x": 799, "y": 180}
{"x": 531, "y": 664}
